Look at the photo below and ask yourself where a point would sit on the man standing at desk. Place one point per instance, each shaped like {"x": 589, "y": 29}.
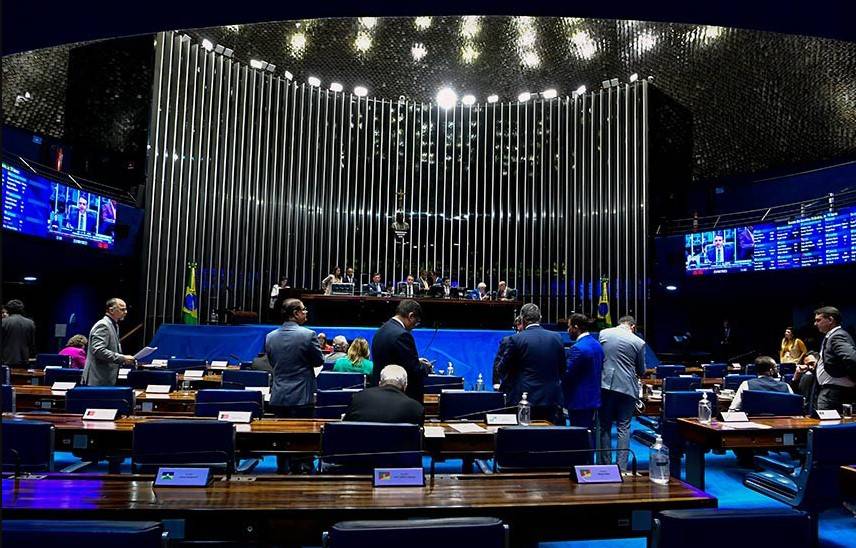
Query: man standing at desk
{"x": 393, "y": 344}
{"x": 836, "y": 369}
{"x": 19, "y": 335}
{"x": 581, "y": 382}
{"x": 624, "y": 360}
{"x": 104, "y": 354}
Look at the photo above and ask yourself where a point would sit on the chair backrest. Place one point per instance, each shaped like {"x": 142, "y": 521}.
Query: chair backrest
{"x": 714, "y": 370}
{"x": 183, "y": 442}
{"x": 89, "y": 533}
{"x": 331, "y": 380}
{"x": 209, "y": 403}
{"x": 5, "y": 374}
{"x": 733, "y": 382}
{"x": 53, "y": 360}
{"x": 419, "y": 533}
{"x": 828, "y": 448}
{"x": 459, "y": 404}
{"x": 434, "y": 384}
{"x": 180, "y": 364}
{"x": 81, "y": 398}
{"x": 745, "y": 527}
{"x": 545, "y": 447}
{"x": 787, "y": 368}
{"x": 63, "y": 374}
{"x": 679, "y": 405}
{"x": 7, "y": 393}
{"x": 246, "y": 378}
{"x": 332, "y": 404}
{"x": 762, "y": 402}
{"x": 29, "y": 444}
{"x": 672, "y": 384}
{"x": 141, "y": 378}
{"x": 387, "y": 445}
{"x": 664, "y": 371}
{"x": 749, "y": 369}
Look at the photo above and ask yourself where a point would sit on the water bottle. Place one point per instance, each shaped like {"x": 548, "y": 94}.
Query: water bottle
{"x": 450, "y": 370}
{"x": 704, "y": 409}
{"x": 480, "y": 383}
{"x": 524, "y": 410}
{"x": 658, "y": 462}
{"x": 640, "y": 388}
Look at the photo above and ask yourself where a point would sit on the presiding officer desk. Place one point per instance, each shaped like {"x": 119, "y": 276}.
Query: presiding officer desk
{"x": 296, "y": 509}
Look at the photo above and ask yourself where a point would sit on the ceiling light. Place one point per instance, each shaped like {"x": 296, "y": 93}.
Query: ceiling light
{"x": 219, "y": 49}
{"x": 634, "y": 77}
{"x": 418, "y": 51}
{"x": 468, "y": 100}
{"x": 645, "y": 42}
{"x": 336, "y": 86}
{"x": 228, "y": 52}
{"x": 525, "y": 96}
{"x": 581, "y": 90}
{"x": 207, "y": 45}
{"x": 531, "y": 59}
{"x": 314, "y": 81}
{"x": 446, "y": 98}
{"x": 470, "y": 26}
{"x": 297, "y": 42}
{"x": 288, "y": 75}
{"x": 368, "y": 22}
{"x": 256, "y": 64}
{"x": 671, "y": 288}
{"x": 30, "y": 279}
{"x": 360, "y": 91}
{"x": 549, "y": 94}
{"x": 233, "y": 28}
{"x": 469, "y": 54}
{"x": 492, "y": 98}
{"x": 422, "y": 23}
{"x": 584, "y": 45}
{"x": 363, "y": 42}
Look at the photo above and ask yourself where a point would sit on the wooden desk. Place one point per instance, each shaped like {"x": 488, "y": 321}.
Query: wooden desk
{"x": 707, "y": 383}
{"x": 784, "y": 432}
{"x": 42, "y": 398}
{"x": 296, "y": 509}
{"x": 848, "y": 482}
{"x": 654, "y": 405}
{"x": 36, "y": 377}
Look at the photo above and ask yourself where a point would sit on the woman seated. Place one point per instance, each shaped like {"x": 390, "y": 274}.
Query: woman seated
{"x": 76, "y": 348}
{"x": 792, "y": 349}
{"x": 357, "y": 360}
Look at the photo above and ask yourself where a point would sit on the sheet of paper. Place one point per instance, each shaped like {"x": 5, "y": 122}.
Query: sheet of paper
{"x": 467, "y": 427}
{"x": 435, "y": 432}
{"x": 745, "y": 426}
{"x": 145, "y": 351}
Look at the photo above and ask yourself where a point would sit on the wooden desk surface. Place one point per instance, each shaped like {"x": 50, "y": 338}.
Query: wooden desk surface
{"x": 707, "y": 382}
{"x": 721, "y": 435}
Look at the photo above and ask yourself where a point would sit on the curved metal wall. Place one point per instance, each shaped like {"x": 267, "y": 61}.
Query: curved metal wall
{"x": 255, "y": 177}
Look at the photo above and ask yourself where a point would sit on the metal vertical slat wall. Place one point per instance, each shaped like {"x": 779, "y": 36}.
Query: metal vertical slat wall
{"x": 255, "y": 178}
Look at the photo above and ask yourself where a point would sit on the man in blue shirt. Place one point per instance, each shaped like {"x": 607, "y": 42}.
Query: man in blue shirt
{"x": 765, "y": 368}
{"x": 581, "y": 381}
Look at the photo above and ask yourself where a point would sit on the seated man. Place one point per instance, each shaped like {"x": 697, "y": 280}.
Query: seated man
{"x": 375, "y": 288}
{"x": 409, "y": 288}
{"x": 505, "y": 293}
{"x": 340, "y": 349}
{"x": 386, "y": 402}
{"x": 767, "y": 371}
{"x": 482, "y": 292}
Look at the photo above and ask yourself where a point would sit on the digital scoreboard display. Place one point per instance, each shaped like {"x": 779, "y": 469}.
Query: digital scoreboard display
{"x": 826, "y": 239}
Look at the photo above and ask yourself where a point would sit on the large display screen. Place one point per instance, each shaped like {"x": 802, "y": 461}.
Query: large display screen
{"x": 41, "y": 207}
{"x": 827, "y": 239}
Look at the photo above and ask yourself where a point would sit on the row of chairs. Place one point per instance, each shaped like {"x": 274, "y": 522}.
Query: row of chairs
{"x": 716, "y": 370}
{"x": 729, "y": 382}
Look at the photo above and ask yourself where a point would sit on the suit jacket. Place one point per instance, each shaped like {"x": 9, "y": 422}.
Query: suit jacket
{"x": 501, "y": 363}
{"x": 534, "y": 363}
{"x": 392, "y": 344}
{"x": 384, "y": 404}
{"x": 581, "y": 382}
{"x": 727, "y": 253}
{"x": 103, "y": 355}
{"x": 19, "y": 339}
{"x": 294, "y": 353}
{"x": 414, "y": 290}
{"x": 839, "y": 354}
{"x": 347, "y": 279}
{"x": 374, "y": 289}
{"x": 509, "y": 293}
{"x": 623, "y": 360}
{"x": 73, "y": 220}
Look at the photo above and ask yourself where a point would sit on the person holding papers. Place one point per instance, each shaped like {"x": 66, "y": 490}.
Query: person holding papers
{"x": 104, "y": 355}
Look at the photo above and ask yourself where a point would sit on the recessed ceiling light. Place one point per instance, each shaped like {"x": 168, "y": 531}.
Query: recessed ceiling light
{"x": 549, "y": 93}
{"x": 336, "y": 86}
{"x": 30, "y": 279}
{"x": 492, "y": 98}
{"x": 581, "y": 90}
{"x": 671, "y": 288}
{"x": 525, "y": 96}
{"x": 314, "y": 81}
{"x": 207, "y": 45}
{"x": 468, "y": 100}
{"x": 360, "y": 91}
{"x": 446, "y": 98}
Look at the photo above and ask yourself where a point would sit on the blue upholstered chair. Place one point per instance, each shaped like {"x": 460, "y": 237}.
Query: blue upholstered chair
{"x": 434, "y": 384}
{"x": 209, "y": 403}
{"x": 459, "y": 404}
{"x": 243, "y": 379}
{"x": 733, "y": 382}
{"x": 761, "y": 402}
{"x": 787, "y": 368}
{"x": 81, "y": 398}
{"x": 63, "y": 374}
{"x": 664, "y": 371}
{"x": 749, "y": 369}
{"x": 182, "y": 364}
{"x": 418, "y": 533}
{"x": 714, "y": 370}
{"x": 8, "y": 398}
{"x": 183, "y": 443}
{"x": 548, "y": 447}
{"x": 677, "y": 405}
{"x": 141, "y": 378}
{"x": 330, "y": 380}
{"x": 675, "y": 384}
{"x": 92, "y": 534}
{"x": 52, "y": 360}
{"x": 27, "y": 446}
{"x": 332, "y": 404}
{"x": 389, "y": 445}
{"x": 744, "y": 528}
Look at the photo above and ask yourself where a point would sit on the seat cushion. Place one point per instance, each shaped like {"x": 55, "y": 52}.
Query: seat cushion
{"x": 779, "y": 483}
{"x": 420, "y": 533}
{"x": 92, "y": 534}
{"x": 714, "y": 528}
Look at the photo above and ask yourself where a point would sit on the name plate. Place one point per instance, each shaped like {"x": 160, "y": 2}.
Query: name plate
{"x": 399, "y": 477}
{"x": 160, "y": 362}
{"x": 219, "y": 365}
{"x": 158, "y": 389}
{"x": 597, "y": 473}
{"x": 194, "y": 374}
{"x": 828, "y": 415}
{"x": 182, "y": 477}
{"x": 500, "y": 419}
{"x": 734, "y": 416}
{"x": 63, "y": 386}
{"x": 100, "y": 414}
{"x": 263, "y": 389}
{"x": 235, "y": 416}
{"x": 123, "y": 372}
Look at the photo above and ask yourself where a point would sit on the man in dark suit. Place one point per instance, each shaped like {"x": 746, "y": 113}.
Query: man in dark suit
{"x": 386, "y": 402}
{"x": 500, "y": 375}
{"x": 534, "y": 364}
{"x": 719, "y": 252}
{"x": 505, "y": 293}
{"x": 104, "y": 352}
{"x": 80, "y": 217}
{"x": 581, "y": 382}
{"x": 394, "y": 344}
{"x": 348, "y": 276}
{"x": 836, "y": 370}
{"x": 375, "y": 287}
{"x": 19, "y": 335}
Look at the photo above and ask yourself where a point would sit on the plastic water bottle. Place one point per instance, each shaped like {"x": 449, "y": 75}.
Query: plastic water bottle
{"x": 480, "y": 383}
{"x": 704, "y": 409}
{"x": 450, "y": 370}
{"x": 658, "y": 463}
{"x": 640, "y": 388}
{"x": 524, "y": 411}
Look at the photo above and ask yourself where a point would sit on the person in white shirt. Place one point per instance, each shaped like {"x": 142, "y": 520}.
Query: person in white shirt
{"x": 768, "y": 381}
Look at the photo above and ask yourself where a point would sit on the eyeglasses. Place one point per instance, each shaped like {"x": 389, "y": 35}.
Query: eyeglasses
{"x": 304, "y": 309}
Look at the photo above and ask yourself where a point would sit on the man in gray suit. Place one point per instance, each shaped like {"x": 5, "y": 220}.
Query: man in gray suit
{"x": 104, "y": 354}
{"x": 624, "y": 362}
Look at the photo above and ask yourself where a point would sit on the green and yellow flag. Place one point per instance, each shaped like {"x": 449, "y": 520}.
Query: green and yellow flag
{"x": 603, "y": 304}
{"x": 189, "y": 306}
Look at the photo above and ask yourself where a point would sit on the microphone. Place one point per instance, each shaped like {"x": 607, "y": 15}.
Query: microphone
{"x": 634, "y": 468}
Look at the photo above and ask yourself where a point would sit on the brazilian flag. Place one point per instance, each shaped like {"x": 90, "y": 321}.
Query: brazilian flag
{"x": 603, "y": 305}
{"x": 190, "y": 307}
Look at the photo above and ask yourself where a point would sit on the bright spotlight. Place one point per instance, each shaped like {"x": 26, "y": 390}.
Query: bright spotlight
{"x": 634, "y": 77}
{"x": 549, "y": 93}
{"x": 671, "y": 288}
{"x": 207, "y": 45}
{"x": 360, "y": 91}
{"x": 525, "y": 96}
{"x": 492, "y": 98}
{"x": 446, "y": 98}
{"x": 336, "y": 86}
{"x": 468, "y": 100}
{"x": 288, "y": 75}
{"x": 368, "y": 22}
{"x": 422, "y": 23}
{"x": 256, "y": 64}
{"x": 314, "y": 81}
{"x": 581, "y": 90}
